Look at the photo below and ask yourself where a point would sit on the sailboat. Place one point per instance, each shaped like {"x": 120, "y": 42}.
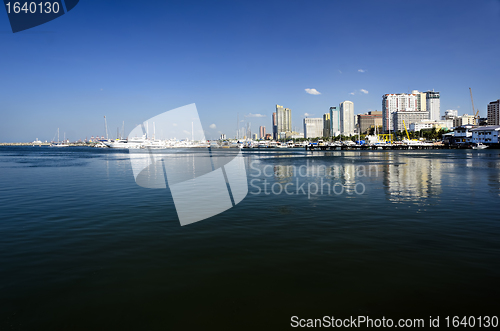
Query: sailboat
{"x": 60, "y": 144}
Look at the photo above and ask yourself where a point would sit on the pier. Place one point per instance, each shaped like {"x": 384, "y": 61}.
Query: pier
{"x": 376, "y": 147}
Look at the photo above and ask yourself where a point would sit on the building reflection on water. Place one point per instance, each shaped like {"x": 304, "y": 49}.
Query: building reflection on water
{"x": 403, "y": 176}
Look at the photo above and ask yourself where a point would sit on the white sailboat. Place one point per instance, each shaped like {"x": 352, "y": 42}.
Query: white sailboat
{"x": 60, "y": 144}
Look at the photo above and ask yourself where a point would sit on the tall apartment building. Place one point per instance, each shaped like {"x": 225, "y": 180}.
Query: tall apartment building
{"x": 313, "y": 127}
{"x": 494, "y": 113}
{"x": 347, "y": 118}
{"x": 392, "y": 103}
{"x": 433, "y": 105}
{"x": 334, "y": 121}
{"x": 326, "y": 125}
{"x": 275, "y": 128}
{"x": 262, "y": 132}
{"x": 422, "y": 102}
{"x": 283, "y": 120}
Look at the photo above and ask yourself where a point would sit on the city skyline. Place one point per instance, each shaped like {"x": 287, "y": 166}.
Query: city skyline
{"x": 129, "y": 64}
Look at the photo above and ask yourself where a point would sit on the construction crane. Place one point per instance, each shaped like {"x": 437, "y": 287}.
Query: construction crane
{"x": 476, "y": 116}
{"x": 407, "y": 135}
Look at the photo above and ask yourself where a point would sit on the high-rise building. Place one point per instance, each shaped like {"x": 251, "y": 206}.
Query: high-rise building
{"x": 283, "y": 120}
{"x": 313, "y": 127}
{"x": 326, "y": 125}
{"x": 433, "y": 105}
{"x": 422, "y": 102}
{"x": 371, "y": 120}
{"x": 334, "y": 121}
{"x": 347, "y": 118}
{"x": 275, "y": 127}
{"x": 494, "y": 113}
{"x": 392, "y": 103}
{"x": 262, "y": 132}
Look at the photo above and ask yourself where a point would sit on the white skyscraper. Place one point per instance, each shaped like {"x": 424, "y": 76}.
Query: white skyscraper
{"x": 334, "y": 121}
{"x": 433, "y": 105}
{"x": 347, "y": 118}
{"x": 420, "y": 102}
{"x": 313, "y": 127}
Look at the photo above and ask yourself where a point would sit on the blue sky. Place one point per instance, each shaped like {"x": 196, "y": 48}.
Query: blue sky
{"x": 131, "y": 60}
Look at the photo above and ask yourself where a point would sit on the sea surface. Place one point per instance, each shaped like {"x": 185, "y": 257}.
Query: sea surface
{"x": 399, "y": 234}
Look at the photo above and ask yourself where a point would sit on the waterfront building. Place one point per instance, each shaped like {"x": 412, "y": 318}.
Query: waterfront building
{"x": 408, "y": 117}
{"x": 494, "y": 113}
{"x": 254, "y": 136}
{"x": 313, "y": 127}
{"x": 485, "y": 134}
{"x": 462, "y": 134}
{"x": 223, "y": 137}
{"x": 370, "y": 120}
{"x": 334, "y": 121}
{"x": 293, "y": 135}
{"x": 268, "y": 136}
{"x": 433, "y": 105}
{"x": 392, "y": 103}
{"x": 262, "y": 132}
{"x": 275, "y": 128}
{"x": 326, "y": 125}
{"x": 430, "y": 124}
{"x": 347, "y": 118}
{"x": 283, "y": 120}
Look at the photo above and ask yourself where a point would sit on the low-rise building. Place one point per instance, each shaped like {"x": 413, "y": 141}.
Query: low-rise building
{"x": 429, "y": 124}
{"x": 370, "y": 120}
{"x": 464, "y": 120}
{"x": 408, "y": 117}
{"x": 462, "y": 135}
{"x": 485, "y": 134}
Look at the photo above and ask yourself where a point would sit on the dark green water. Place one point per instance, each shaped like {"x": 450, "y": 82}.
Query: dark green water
{"x": 83, "y": 247}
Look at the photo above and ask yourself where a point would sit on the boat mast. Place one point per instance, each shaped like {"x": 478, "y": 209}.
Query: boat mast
{"x": 106, "y": 126}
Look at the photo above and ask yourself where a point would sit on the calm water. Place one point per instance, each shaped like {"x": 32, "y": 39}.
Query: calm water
{"x": 83, "y": 247}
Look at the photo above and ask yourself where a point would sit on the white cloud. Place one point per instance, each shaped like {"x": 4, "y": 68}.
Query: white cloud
{"x": 352, "y": 93}
{"x": 312, "y": 91}
{"x": 361, "y": 70}
{"x": 212, "y": 126}
{"x": 174, "y": 124}
{"x": 255, "y": 115}
{"x": 364, "y": 91}
{"x": 340, "y": 71}
{"x": 307, "y": 114}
